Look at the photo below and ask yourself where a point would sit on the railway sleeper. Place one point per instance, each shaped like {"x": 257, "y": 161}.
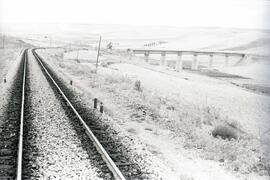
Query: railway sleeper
{"x": 98, "y": 131}
{"x": 109, "y": 141}
{"x": 102, "y": 137}
{"x": 113, "y": 148}
{"x": 112, "y": 151}
{"x": 6, "y": 157}
{"x": 105, "y": 169}
{"x": 6, "y": 178}
{"x": 6, "y": 146}
{"x": 7, "y": 135}
{"x": 121, "y": 163}
{"x": 6, "y": 167}
{"x": 6, "y": 152}
{"x": 95, "y": 128}
{"x": 118, "y": 158}
{"x": 8, "y": 161}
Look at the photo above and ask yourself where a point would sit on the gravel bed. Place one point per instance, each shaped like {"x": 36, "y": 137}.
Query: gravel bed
{"x": 9, "y": 63}
{"x": 119, "y": 143}
{"x": 54, "y": 147}
{"x": 9, "y": 127}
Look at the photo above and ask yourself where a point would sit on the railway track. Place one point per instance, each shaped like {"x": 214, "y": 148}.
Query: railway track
{"x": 11, "y": 130}
{"x": 14, "y": 160}
{"x": 117, "y": 174}
{"x": 102, "y": 132}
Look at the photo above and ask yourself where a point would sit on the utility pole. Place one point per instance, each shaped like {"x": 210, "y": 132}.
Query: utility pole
{"x": 98, "y": 53}
{"x": 78, "y": 55}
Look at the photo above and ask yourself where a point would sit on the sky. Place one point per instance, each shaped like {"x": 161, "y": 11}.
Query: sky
{"x": 199, "y": 13}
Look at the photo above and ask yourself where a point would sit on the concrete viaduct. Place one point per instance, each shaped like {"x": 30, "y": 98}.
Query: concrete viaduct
{"x": 179, "y": 65}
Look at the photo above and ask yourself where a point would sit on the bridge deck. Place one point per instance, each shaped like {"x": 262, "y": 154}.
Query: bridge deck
{"x": 184, "y": 52}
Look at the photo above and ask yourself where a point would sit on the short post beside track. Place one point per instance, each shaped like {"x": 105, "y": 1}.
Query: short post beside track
{"x": 101, "y": 107}
{"x": 95, "y": 103}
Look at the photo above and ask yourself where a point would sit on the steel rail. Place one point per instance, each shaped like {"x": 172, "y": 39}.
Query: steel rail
{"x": 111, "y": 165}
{"x": 20, "y": 145}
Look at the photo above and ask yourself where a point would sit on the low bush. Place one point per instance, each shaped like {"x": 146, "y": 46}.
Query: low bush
{"x": 137, "y": 86}
{"x": 224, "y": 132}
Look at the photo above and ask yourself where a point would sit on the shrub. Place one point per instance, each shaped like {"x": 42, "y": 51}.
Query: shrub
{"x": 224, "y": 132}
{"x": 137, "y": 86}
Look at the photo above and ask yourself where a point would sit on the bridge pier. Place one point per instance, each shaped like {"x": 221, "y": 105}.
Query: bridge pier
{"x": 195, "y": 54}
{"x": 243, "y": 57}
{"x": 146, "y": 56}
{"x": 130, "y": 54}
{"x": 226, "y": 60}
{"x": 210, "y": 64}
{"x": 194, "y": 65}
{"x": 163, "y": 59}
{"x": 179, "y": 62}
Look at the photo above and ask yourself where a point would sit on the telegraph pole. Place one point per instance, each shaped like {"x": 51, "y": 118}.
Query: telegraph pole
{"x": 98, "y": 53}
{"x": 78, "y": 55}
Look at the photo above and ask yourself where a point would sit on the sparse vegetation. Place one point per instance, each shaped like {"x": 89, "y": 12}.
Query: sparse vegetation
{"x": 137, "y": 86}
{"x": 197, "y": 125}
{"x": 200, "y": 128}
{"x": 224, "y": 132}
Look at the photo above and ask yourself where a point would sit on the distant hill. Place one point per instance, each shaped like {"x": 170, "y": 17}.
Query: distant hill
{"x": 127, "y": 36}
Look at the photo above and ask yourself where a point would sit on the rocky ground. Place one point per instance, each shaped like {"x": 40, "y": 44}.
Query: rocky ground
{"x": 53, "y": 148}
{"x": 9, "y": 61}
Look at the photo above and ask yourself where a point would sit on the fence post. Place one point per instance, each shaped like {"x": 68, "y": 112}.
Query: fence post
{"x": 95, "y": 103}
{"x": 101, "y": 107}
